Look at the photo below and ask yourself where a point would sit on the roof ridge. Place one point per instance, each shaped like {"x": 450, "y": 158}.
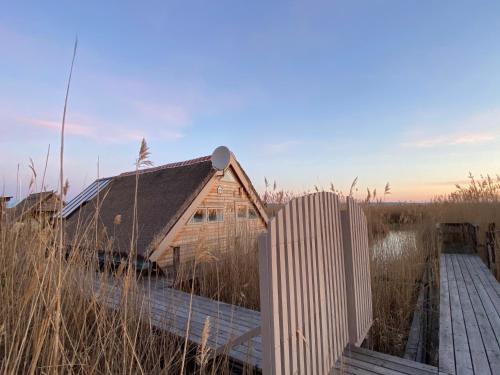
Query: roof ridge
{"x": 167, "y": 166}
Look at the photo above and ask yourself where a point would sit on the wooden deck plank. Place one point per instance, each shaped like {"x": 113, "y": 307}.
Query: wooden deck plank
{"x": 487, "y": 319}
{"x": 400, "y": 368}
{"x": 345, "y": 369}
{"x": 173, "y": 296}
{"x": 488, "y": 296}
{"x": 476, "y": 346}
{"x": 168, "y": 311}
{"x": 353, "y": 362}
{"x": 469, "y": 291}
{"x": 167, "y": 320}
{"x": 490, "y": 285}
{"x": 463, "y": 360}
{"x": 180, "y": 309}
{"x": 489, "y": 276}
{"x": 446, "y": 353}
{"x": 391, "y": 358}
{"x": 357, "y": 360}
{"x": 486, "y": 327}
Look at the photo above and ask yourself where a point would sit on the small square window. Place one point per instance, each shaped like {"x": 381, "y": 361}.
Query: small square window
{"x": 252, "y": 214}
{"x": 215, "y": 215}
{"x": 199, "y": 216}
{"x": 242, "y": 212}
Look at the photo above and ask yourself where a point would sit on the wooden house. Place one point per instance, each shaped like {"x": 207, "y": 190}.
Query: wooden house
{"x": 4, "y": 200}
{"x": 182, "y": 208}
{"x": 36, "y": 208}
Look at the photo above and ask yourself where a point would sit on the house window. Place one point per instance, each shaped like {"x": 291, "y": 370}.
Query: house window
{"x": 242, "y": 212}
{"x": 215, "y": 215}
{"x": 252, "y": 214}
{"x": 199, "y": 216}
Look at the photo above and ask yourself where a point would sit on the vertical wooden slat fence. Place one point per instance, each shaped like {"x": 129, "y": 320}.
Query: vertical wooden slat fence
{"x": 357, "y": 270}
{"x": 303, "y": 283}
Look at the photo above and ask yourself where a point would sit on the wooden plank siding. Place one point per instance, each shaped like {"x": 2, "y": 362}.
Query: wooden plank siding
{"x": 357, "y": 271}
{"x": 304, "y": 305}
{"x": 193, "y": 239}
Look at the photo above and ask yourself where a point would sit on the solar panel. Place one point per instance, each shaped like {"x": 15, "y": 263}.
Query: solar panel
{"x": 90, "y": 192}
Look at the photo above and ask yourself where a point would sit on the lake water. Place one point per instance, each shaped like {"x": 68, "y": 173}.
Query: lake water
{"x": 394, "y": 243}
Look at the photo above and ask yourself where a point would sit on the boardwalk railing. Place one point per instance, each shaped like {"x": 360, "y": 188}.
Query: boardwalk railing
{"x": 308, "y": 289}
{"x": 357, "y": 270}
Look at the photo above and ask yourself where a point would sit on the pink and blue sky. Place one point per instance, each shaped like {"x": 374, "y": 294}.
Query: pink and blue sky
{"x": 303, "y": 92}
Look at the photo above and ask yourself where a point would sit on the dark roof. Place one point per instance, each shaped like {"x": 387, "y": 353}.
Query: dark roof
{"x": 164, "y": 193}
{"x": 42, "y": 202}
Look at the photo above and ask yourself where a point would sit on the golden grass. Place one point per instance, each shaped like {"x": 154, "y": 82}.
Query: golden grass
{"x": 93, "y": 339}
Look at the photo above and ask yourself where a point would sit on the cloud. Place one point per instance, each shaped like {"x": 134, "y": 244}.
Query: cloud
{"x": 70, "y": 128}
{"x": 448, "y": 183}
{"x": 167, "y": 114}
{"x": 280, "y": 147}
{"x": 480, "y": 128}
{"x": 452, "y": 140}
{"x": 92, "y": 129}
{"x": 164, "y": 122}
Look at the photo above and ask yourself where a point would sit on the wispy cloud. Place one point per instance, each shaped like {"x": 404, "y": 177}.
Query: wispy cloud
{"x": 167, "y": 114}
{"x": 480, "y": 128}
{"x": 448, "y": 183}
{"x": 452, "y": 140}
{"x": 71, "y": 128}
{"x": 149, "y": 121}
{"x": 280, "y": 147}
{"x": 88, "y": 129}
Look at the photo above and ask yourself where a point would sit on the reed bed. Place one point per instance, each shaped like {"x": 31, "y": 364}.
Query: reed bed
{"x": 33, "y": 275}
{"x": 396, "y": 276}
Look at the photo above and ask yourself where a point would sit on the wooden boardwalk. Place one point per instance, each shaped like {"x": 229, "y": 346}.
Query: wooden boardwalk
{"x": 234, "y": 330}
{"x": 469, "y": 316}
{"x": 360, "y": 361}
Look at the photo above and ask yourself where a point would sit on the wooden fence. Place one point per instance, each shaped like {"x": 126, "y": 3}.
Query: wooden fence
{"x": 304, "y": 298}
{"x": 357, "y": 270}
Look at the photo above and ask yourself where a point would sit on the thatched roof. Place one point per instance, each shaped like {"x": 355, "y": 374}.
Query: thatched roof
{"x": 163, "y": 194}
{"x": 46, "y": 202}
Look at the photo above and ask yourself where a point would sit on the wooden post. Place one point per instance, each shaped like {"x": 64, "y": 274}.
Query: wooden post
{"x": 490, "y": 247}
{"x": 439, "y": 238}
{"x": 496, "y": 236}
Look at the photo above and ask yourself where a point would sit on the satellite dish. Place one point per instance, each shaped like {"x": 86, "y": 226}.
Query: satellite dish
{"x": 220, "y": 158}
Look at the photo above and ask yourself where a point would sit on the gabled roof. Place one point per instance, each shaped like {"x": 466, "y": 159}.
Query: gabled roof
{"x": 166, "y": 195}
{"x": 42, "y": 202}
{"x": 163, "y": 194}
{"x": 162, "y": 243}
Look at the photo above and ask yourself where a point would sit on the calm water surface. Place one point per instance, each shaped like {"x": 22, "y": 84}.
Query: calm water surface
{"x": 394, "y": 243}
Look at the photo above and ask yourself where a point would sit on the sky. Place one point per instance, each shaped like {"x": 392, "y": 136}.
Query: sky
{"x": 305, "y": 93}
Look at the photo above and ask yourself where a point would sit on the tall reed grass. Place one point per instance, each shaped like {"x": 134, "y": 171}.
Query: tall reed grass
{"x": 50, "y": 323}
